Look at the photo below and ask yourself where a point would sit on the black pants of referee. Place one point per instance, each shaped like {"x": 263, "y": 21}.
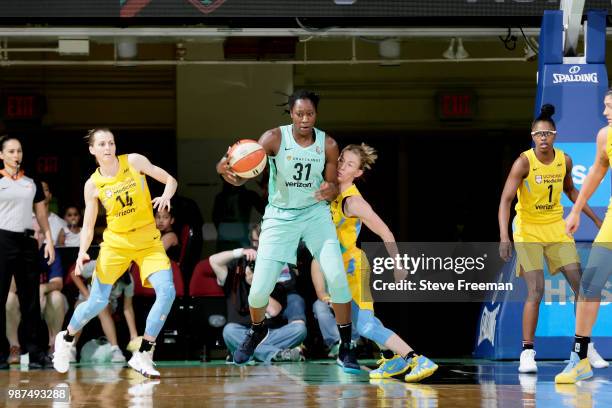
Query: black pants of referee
{"x": 19, "y": 257}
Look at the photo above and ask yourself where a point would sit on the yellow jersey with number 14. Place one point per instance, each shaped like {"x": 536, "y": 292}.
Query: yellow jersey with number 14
{"x": 125, "y": 197}
{"x": 539, "y": 195}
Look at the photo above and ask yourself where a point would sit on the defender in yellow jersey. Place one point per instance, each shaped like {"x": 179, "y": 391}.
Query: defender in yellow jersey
{"x": 349, "y": 210}
{"x": 597, "y": 271}
{"x": 538, "y": 176}
{"x": 130, "y": 236}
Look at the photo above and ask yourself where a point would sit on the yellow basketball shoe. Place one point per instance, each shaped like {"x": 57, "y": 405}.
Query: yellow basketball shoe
{"x": 576, "y": 370}
{"x": 422, "y": 367}
{"x": 388, "y": 368}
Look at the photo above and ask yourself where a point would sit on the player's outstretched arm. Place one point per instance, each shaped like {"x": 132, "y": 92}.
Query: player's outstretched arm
{"x": 572, "y": 193}
{"x": 591, "y": 182}
{"x": 143, "y": 165}
{"x": 356, "y": 206}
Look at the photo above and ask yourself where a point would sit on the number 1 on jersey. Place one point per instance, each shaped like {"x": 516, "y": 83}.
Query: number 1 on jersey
{"x": 550, "y": 189}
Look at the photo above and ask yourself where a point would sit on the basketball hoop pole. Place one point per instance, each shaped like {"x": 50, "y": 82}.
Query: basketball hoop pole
{"x": 572, "y": 19}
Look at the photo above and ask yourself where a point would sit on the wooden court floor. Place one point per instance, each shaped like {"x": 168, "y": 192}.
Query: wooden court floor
{"x": 458, "y": 383}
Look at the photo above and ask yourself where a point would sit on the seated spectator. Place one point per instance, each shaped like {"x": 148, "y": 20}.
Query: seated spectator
{"x": 124, "y": 286}
{"x": 285, "y": 311}
{"x": 70, "y": 235}
{"x": 164, "y": 221}
{"x": 56, "y": 224}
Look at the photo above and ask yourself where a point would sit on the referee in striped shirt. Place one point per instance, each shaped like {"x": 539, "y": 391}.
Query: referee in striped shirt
{"x": 19, "y": 250}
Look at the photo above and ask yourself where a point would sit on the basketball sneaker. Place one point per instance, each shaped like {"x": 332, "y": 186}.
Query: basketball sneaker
{"x": 61, "y": 355}
{"x": 142, "y": 361}
{"x": 294, "y": 354}
{"x": 575, "y": 370}
{"x": 244, "y": 352}
{"x": 421, "y": 368}
{"x": 347, "y": 359}
{"x": 387, "y": 368}
{"x": 595, "y": 359}
{"x": 527, "y": 362}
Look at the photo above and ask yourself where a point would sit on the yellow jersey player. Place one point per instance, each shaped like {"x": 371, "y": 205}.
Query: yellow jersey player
{"x": 538, "y": 176}
{"x": 349, "y": 211}
{"x": 597, "y": 271}
{"x": 130, "y": 236}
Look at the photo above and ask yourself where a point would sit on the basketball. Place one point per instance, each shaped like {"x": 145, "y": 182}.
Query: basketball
{"x": 247, "y": 158}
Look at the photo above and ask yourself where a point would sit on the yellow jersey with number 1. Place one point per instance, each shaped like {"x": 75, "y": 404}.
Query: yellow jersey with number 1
{"x": 539, "y": 195}
{"x": 125, "y": 197}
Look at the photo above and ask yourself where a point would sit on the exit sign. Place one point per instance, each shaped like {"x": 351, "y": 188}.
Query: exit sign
{"x": 456, "y": 105}
{"x": 22, "y": 107}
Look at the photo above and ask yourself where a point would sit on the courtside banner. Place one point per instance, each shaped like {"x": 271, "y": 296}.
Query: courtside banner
{"x": 476, "y": 272}
{"x": 281, "y": 8}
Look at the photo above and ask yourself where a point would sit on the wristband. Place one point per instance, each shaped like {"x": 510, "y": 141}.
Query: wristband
{"x": 238, "y": 252}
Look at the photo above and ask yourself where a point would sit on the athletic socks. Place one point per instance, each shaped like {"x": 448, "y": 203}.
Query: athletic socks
{"x": 258, "y": 327}
{"x": 409, "y": 356}
{"x": 527, "y": 345}
{"x": 581, "y": 346}
{"x": 146, "y": 345}
{"x": 345, "y": 333}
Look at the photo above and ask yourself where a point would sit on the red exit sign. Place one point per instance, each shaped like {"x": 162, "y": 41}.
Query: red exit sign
{"x": 22, "y": 107}
{"x": 456, "y": 105}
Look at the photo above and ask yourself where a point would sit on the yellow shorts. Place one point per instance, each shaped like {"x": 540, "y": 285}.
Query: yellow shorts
{"x": 534, "y": 242}
{"x": 604, "y": 236}
{"x": 118, "y": 250}
{"x": 358, "y": 276}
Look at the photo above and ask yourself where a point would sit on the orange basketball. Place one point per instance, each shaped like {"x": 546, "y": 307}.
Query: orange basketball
{"x": 247, "y": 158}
